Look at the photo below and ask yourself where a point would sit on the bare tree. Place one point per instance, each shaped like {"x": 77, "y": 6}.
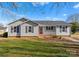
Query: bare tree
{"x": 73, "y": 18}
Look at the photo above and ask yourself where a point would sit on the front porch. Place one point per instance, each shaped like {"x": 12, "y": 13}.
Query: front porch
{"x": 47, "y": 30}
{"x": 55, "y": 30}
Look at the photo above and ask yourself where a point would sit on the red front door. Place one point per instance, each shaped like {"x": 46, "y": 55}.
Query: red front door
{"x": 40, "y": 30}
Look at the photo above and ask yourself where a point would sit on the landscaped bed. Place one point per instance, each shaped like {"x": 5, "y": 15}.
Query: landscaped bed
{"x": 22, "y": 47}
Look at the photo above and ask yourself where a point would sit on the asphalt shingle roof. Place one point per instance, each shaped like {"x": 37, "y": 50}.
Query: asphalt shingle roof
{"x": 51, "y": 22}
{"x": 43, "y": 22}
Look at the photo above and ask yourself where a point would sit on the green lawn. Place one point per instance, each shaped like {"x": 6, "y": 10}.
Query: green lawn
{"x": 35, "y": 48}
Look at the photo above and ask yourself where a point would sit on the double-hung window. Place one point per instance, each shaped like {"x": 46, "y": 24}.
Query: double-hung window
{"x": 11, "y": 29}
{"x": 29, "y": 29}
{"x": 63, "y": 28}
{"x": 60, "y": 28}
{"x": 47, "y": 28}
{"x": 50, "y": 28}
{"x": 15, "y": 29}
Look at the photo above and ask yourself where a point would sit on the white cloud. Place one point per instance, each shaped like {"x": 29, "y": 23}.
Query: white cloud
{"x": 39, "y": 3}
{"x": 76, "y": 6}
{"x": 64, "y": 14}
{"x": 48, "y": 17}
{"x": 57, "y": 19}
{"x": 53, "y": 19}
{"x": 12, "y": 14}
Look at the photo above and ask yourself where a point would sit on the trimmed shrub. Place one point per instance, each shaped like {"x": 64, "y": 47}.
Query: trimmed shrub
{"x": 5, "y": 34}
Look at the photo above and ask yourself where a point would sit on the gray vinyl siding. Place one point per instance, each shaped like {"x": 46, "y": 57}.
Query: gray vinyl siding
{"x": 57, "y": 30}
{"x": 63, "y": 33}
{"x": 12, "y": 25}
{"x": 48, "y": 32}
{"x": 33, "y": 33}
{"x": 23, "y": 30}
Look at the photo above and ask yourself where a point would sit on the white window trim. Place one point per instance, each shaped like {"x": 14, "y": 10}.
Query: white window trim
{"x": 32, "y": 29}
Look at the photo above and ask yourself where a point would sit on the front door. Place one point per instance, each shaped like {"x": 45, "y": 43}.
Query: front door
{"x": 18, "y": 31}
{"x": 40, "y": 30}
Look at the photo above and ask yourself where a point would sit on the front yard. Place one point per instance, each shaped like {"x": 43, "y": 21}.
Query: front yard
{"x": 38, "y": 47}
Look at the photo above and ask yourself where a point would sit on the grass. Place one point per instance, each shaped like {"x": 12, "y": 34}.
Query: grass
{"x": 34, "y": 48}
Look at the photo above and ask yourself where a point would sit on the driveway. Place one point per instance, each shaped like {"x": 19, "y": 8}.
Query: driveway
{"x": 72, "y": 39}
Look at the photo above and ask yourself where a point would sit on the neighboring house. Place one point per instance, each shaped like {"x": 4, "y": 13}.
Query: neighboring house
{"x": 2, "y": 30}
{"x": 24, "y": 27}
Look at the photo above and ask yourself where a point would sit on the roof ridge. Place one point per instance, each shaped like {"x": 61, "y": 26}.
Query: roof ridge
{"x": 24, "y": 19}
{"x": 46, "y": 20}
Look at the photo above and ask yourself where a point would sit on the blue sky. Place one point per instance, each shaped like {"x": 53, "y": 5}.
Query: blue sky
{"x": 37, "y": 11}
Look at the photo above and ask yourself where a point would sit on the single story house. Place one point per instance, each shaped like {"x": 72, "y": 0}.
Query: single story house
{"x": 24, "y": 27}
